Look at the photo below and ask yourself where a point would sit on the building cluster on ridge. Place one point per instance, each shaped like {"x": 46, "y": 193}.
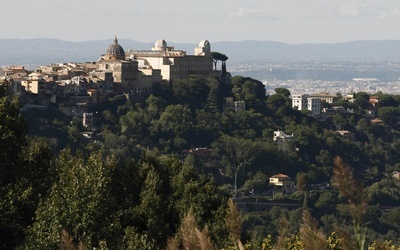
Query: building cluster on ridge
{"x": 73, "y": 87}
{"x": 76, "y": 86}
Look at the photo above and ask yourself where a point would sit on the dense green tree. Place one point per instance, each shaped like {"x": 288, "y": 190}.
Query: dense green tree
{"x": 326, "y": 202}
{"x": 389, "y": 115}
{"x": 257, "y": 183}
{"x": 276, "y": 101}
{"x": 246, "y": 124}
{"x": 207, "y": 128}
{"x": 191, "y": 91}
{"x": 155, "y": 106}
{"x": 13, "y": 132}
{"x": 283, "y": 92}
{"x": 135, "y": 123}
{"x": 79, "y": 202}
{"x": 391, "y": 219}
{"x": 387, "y": 100}
{"x": 324, "y": 158}
{"x": 133, "y": 240}
{"x": 240, "y": 153}
{"x": 249, "y": 90}
{"x": 151, "y": 210}
{"x": 214, "y": 99}
{"x": 156, "y": 191}
{"x": 175, "y": 124}
{"x": 25, "y": 171}
{"x": 384, "y": 192}
{"x": 21, "y": 198}
{"x": 118, "y": 146}
{"x": 361, "y": 100}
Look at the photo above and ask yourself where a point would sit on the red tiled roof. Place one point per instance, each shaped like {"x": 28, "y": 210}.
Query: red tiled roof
{"x": 279, "y": 176}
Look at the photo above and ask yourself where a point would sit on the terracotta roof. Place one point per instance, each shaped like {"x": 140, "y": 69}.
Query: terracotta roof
{"x": 343, "y": 131}
{"x": 373, "y": 101}
{"x": 377, "y": 120}
{"x": 279, "y": 176}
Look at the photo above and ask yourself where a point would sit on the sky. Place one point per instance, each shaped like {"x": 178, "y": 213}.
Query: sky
{"x": 190, "y": 21}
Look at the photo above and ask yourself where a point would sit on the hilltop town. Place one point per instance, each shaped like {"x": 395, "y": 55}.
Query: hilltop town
{"x": 73, "y": 87}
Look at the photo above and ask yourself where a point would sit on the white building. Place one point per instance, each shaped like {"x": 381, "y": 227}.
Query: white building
{"x": 299, "y": 102}
{"x": 314, "y": 105}
{"x": 307, "y": 102}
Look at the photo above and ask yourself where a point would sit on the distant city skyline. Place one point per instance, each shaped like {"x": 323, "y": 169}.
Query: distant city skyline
{"x": 289, "y": 21}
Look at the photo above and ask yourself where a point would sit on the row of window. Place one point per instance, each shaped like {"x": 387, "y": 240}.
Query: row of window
{"x": 185, "y": 69}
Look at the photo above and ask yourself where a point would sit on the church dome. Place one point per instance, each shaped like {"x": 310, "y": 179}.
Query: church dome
{"x": 116, "y": 50}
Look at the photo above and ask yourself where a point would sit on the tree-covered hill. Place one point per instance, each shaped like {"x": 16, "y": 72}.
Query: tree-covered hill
{"x": 140, "y": 176}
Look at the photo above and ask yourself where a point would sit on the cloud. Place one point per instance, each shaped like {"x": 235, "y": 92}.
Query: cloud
{"x": 369, "y": 10}
{"x": 350, "y": 9}
{"x": 253, "y": 13}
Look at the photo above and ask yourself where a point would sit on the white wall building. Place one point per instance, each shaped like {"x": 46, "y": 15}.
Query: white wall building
{"x": 299, "y": 102}
{"x": 307, "y": 102}
{"x": 314, "y": 105}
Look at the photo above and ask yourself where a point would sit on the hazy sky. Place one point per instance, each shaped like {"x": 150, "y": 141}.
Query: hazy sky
{"x": 190, "y": 21}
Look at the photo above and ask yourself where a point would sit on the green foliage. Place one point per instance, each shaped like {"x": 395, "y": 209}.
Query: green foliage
{"x": 191, "y": 91}
{"x": 387, "y": 100}
{"x": 283, "y": 92}
{"x": 26, "y": 171}
{"x": 360, "y": 99}
{"x": 13, "y": 131}
{"x": 249, "y": 90}
{"x": 79, "y": 202}
{"x": 326, "y": 202}
{"x": 175, "y": 122}
{"x": 217, "y": 56}
{"x": 257, "y": 183}
{"x": 160, "y": 191}
{"x": 389, "y": 115}
{"x": 385, "y": 192}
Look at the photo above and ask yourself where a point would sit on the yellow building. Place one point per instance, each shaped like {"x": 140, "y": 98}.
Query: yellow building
{"x": 36, "y": 84}
{"x": 175, "y": 64}
{"x": 281, "y": 180}
{"x": 324, "y": 96}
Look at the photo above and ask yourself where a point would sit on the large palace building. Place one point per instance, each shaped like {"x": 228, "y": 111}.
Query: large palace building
{"x": 136, "y": 71}
{"x": 175, "y": 64}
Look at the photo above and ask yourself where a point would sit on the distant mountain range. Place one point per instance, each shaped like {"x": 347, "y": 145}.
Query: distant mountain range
{"x": 46, "y": 51}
